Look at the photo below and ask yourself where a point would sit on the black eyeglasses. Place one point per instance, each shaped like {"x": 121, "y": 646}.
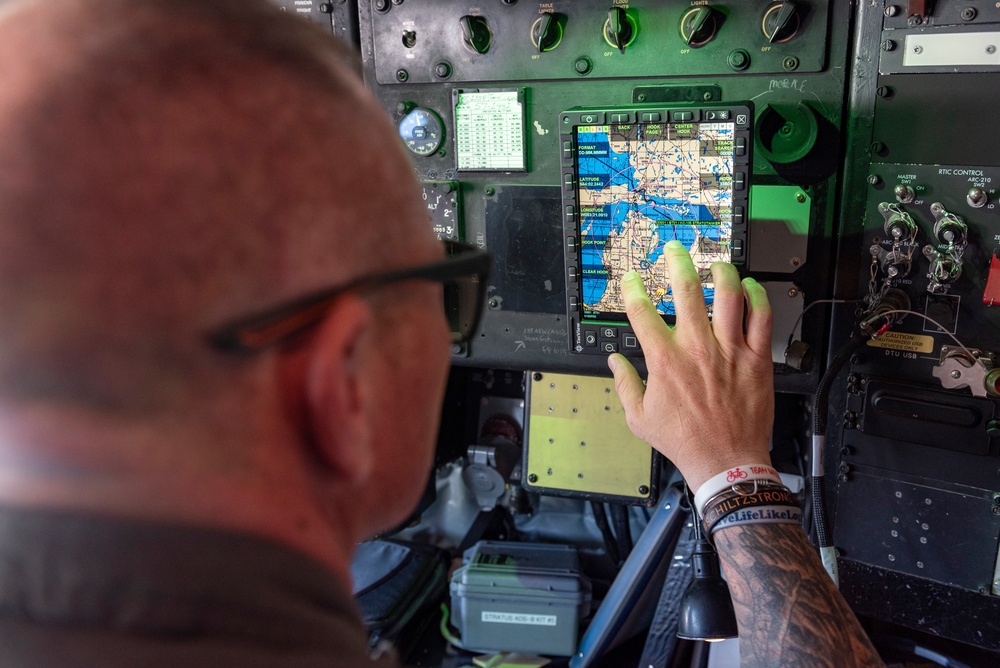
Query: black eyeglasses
{"x": 463, "y": 274}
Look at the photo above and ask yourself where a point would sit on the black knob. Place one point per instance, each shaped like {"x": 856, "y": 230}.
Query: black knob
{"x": 619, "y": 30}
{"x": 476, "y": 33}
{"x": 781, "y": 21}
{"x": 547, "y": 32}
{"x": 699, "y": 25}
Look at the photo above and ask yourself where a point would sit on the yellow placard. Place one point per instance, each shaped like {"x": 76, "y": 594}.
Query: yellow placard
{"x": 578, "y": 439}
{"x": 914, "y": 343}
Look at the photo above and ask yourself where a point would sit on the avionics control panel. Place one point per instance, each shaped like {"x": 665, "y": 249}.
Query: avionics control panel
{"x": 634, "y": 178}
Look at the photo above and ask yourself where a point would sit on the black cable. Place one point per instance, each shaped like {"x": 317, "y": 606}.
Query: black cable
{"x": 619, "y": 516}
{"x": 610, "y": 545}
{"x": 820, "y": 408}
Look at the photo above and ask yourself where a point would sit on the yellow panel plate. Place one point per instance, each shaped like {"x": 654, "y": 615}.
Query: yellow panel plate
{"x": 578, "y": 442}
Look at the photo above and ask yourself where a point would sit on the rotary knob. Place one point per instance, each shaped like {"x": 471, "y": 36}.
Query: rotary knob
{"x": 547, "y": 32}
{"x": 699, "y": 26}
{"x": 476, "y": 33}
{"x": 620, "y": 28}
{"x": 781, "y": 21}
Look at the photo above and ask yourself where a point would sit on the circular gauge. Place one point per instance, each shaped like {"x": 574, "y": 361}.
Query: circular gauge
{"x": 422, "y": 131}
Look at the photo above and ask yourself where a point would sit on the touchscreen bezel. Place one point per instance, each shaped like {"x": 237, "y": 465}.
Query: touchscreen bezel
{"x": 598, "y": 329}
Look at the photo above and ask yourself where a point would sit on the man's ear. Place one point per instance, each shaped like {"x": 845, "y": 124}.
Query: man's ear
{"x": 338, "y": 390}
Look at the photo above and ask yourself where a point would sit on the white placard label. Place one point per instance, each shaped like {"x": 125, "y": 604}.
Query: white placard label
{"x": 518, "y": 618}
{"x": 489, "y": 131}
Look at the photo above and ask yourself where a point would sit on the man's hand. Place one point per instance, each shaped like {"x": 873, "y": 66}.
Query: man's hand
{"x": 709, "y": 400}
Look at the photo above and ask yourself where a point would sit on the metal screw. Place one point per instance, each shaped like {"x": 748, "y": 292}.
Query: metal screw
{"x": 891, "y": 10}
{"x": 800, "y": 198}
{"x": 991, "y": 49}
{"x": 874, "y": 180}
{"x": 842, "y": 477}
{"x": 914, "y": 21}
{"x": 382, "y": 5}
{"x": 984, "y": 590}
{"x": 883, "y": 91}
{"x": 918, "y": 49}
{"x": 968, "y": 13}
{"x": 641, "y": 97}
{"x": 877, "y": 147}
{"x": 532, "y": 478}
{"x": 888, "y": 45}
{"x": 790, "y": 64}
{"x": 707, "y": 96}
{"x": 402, "y": 75}
{"x": 845, "y": 468}
{"x": 442, "y": 70}
{"x": 996, "y": 510}
{"x": 490, "y": 191}
{"x": 494, "y": 303}
{"x": 643, "y": 490}
{"x": 793, "y": 292}
{"x": 956, "y": 374}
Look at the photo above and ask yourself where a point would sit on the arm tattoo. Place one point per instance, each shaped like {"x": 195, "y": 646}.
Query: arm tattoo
{"x": 788, "y": 610}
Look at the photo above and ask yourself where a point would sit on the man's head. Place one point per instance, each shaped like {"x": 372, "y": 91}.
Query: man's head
{"x": 168, "y": 165}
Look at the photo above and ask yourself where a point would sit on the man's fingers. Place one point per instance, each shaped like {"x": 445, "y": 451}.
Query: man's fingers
{"x": 758, "y": 317}
{"x": 642, "y": 315}
{"x": 727, "y": 312}
{"x": 689, "y": 296}
{"x": 629, "y": 386}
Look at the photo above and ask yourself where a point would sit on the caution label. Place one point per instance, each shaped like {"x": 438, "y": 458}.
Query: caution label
{"x": 914, "y": 343}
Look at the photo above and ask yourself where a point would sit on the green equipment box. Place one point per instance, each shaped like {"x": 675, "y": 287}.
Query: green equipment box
{"x": 518, "y": 597}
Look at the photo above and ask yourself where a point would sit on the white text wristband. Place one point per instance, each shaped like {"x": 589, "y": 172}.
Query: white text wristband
{"x": 731, "y": 476}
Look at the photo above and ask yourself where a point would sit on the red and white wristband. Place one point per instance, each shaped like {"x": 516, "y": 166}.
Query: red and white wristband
{"x": 745, "y": 473}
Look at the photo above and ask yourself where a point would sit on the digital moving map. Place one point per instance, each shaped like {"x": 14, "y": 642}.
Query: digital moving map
{"x": 641, "y": 185}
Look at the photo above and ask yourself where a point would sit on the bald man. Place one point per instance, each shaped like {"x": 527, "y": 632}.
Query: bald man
{"x": 223, "y": 350}
{"x": 168, "y": 167}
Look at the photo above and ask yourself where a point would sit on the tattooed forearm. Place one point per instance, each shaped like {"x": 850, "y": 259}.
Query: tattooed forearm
{"x": 788, "y": 610}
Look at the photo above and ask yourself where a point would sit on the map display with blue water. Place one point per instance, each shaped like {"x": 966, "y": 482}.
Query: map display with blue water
{"x": 641, "y": 185}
